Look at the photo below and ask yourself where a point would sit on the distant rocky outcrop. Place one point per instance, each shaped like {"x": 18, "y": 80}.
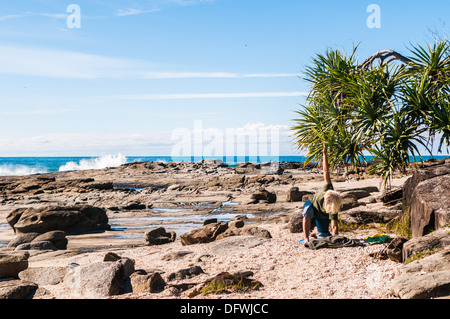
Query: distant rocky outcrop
{"x": 71, "y": 219}
{"x": 49, "y": 184}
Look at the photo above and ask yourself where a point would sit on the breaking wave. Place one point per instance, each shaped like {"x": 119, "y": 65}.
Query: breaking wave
{"x": 19, "y": 170}
{"x": 95, "y": 163}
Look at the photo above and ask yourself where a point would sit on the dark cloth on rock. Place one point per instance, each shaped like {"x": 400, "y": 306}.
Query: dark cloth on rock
{"x": 334, "y": 241}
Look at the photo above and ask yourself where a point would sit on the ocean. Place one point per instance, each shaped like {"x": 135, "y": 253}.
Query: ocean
{"x": 19, "y": 166}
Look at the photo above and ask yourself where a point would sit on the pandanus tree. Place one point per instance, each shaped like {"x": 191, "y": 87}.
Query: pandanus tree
{"x": 382, "y": 107}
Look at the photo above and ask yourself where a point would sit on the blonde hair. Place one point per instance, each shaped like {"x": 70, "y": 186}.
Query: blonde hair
{"x": 332, "y": 202}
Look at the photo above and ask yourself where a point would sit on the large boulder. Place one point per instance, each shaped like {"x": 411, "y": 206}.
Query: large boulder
{"x": 361, "y": 192}
{"x": 52, "y": 240}
{"x": 204, "y": 234}
{"x": 21, "y": 239}
{"x": 426, "y": 196}
{"x": 419, "y": 175}
{"x": 245, "y": 231}
{"x": 430, "y": 205}
{"x": 434, "y": 241}
{"x": 424, "y": 278}
{"x": 16, "y": 289}
{"x": 370, "y": 213}
{"x": 43, "y": 275}
{"x": 96, "y": 280}
{"x": 349, "y": 201}
{"x": 12, "y": 263}
{"x": 71, "y": 219}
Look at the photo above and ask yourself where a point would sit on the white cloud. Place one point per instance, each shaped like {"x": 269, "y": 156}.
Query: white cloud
{"x": 132, "y": 12}
{"x": 53, "y": 15}
{"x": 188, "y": 2}
{"x": 198, "y": 75}
{"x": 41, "y": 112}
{"x": 158, "y": 143}
{"x": 183, "y": 96}
{"x": 61, "y": 64}
{"x": 11, "y": 16}
{"x": 74, "y": 65}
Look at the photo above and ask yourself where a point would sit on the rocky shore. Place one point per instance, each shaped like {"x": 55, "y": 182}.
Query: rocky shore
{"x": 207, "y": 230}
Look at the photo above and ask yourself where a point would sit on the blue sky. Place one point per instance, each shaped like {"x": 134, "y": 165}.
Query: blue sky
{"x": 137, "y": 71}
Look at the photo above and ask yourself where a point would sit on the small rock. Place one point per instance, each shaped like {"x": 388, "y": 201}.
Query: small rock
{"x": 295, "y": 195}
{"x": 210, "y": 221}
{"x": 11, "y": 264}
{"x": 185, "y": 273}
{"x": 263, "y": 195}
{"x": 176, "y": 255}
{"x": 236, "y": 223}
{"x": 296, "y": 223}
{"x": 159, "y": 236}
{"x": 142, "y": 282}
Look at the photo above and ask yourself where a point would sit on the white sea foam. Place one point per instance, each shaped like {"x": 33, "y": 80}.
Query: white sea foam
{"x": 19, "y": 170}
{"x": 95, "y": 163}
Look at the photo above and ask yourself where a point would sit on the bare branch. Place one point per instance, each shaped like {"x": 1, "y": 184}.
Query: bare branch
{"x": 382, "y": 56}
